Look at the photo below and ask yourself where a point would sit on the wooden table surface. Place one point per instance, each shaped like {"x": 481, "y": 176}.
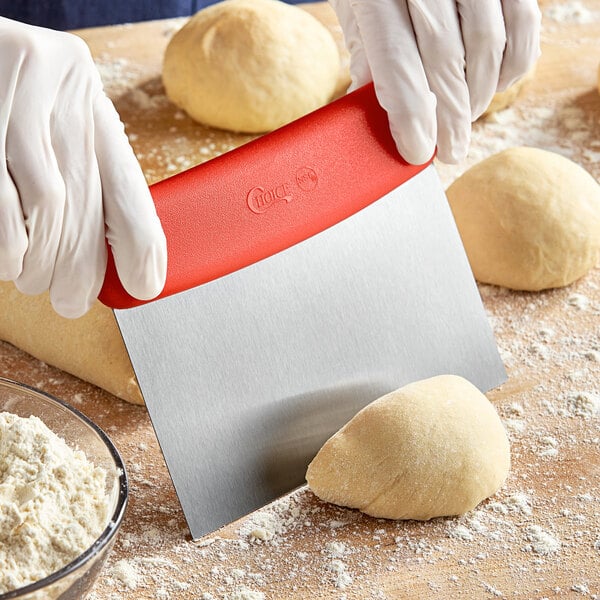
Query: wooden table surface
{"x": 539, "y": 537}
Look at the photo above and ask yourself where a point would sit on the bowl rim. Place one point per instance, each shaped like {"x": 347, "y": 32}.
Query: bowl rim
{"x": 116, "y": 518}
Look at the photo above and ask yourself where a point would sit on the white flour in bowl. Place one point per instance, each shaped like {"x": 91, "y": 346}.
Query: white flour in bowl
{"x": 53, "y": 501}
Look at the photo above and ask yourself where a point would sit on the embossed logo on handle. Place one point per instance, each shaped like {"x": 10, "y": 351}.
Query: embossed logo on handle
{"x": 259, "y": 199}
{"x": 306, "y": 178}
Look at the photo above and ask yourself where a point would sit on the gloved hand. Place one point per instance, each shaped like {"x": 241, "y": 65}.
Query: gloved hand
{"x": 436, "y": 64}
{"x": 68, "y": 177}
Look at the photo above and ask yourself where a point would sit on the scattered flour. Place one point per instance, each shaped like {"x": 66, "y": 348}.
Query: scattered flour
{"x": 593, "y": 355}
{"x": 583, "y": 404}
{"x": 541, "y": 542}
{"x": 548, "y": 447}
{"x": 579, "y": 301}
{"x": 514, "y": 426}
{"x": 519, "y": 502}
{"x": 126, "y": 573}
{"x": 145, "y": 101}
{"x": 342, "y": 579}
{"x": 262, "y": 527}
{"x": 53, "y": 502}
{"x": 570, "y": 12}
{"x": 461, "y": 532}
{"x": 492, "y": 590}
{"x": 245, "y": 594}
{"x": 335, "y": 552}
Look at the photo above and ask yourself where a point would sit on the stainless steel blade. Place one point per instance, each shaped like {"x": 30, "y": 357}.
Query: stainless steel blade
{"x": 246, "y": 377}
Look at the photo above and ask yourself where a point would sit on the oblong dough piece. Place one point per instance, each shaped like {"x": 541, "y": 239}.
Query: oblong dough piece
{"x": 529, "y": 219}
{"x": 432, "y": 448}
{"x": 251, "y": 65}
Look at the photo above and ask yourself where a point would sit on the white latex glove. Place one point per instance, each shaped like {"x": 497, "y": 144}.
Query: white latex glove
{"x": 68, "y": 177}
{"x": 458, "y": 52}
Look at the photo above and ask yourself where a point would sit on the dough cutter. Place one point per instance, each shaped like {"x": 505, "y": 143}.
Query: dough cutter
{"x": 310, "y": 271}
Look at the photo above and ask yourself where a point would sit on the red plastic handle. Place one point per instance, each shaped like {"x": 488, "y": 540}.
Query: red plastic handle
{"x": 272, "y": 193}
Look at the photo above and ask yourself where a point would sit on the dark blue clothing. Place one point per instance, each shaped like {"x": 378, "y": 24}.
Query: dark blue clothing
{"x": 74, "y": 14}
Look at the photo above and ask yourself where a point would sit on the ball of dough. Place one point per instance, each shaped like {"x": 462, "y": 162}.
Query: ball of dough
{"x": 251, "y": 65}
{"x": 504, "y": 99}
{"x": 529, "y": 219}
{"x": 433, "y": 448}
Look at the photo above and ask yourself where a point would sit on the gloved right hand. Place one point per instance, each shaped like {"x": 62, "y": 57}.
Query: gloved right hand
{"x": 436, "y": 64}
{"x": 68, "y": 177}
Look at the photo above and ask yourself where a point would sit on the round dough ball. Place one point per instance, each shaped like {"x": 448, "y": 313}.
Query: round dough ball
{"x": 529, "y": 219}
{"x": 504, "y": 99}
{"x": 251, "y": 65}
{"x": 433, "y": 448}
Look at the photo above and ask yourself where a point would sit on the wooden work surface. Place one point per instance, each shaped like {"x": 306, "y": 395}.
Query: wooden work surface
{"x": 539, "y": 537}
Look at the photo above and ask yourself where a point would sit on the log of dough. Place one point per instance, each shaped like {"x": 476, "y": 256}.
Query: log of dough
{"x": 90, "y": 347}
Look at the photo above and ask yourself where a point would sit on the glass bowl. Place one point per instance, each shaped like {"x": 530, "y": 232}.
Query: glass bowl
{"x": 75, "y": 579}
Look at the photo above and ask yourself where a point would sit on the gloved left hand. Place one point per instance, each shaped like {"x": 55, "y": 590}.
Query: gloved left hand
{"x": 68, "y": 177}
